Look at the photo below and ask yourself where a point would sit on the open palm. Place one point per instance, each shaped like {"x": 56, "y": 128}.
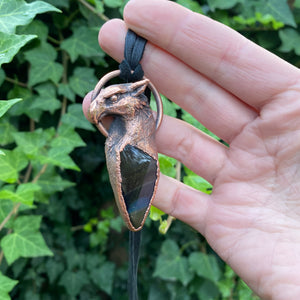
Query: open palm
{"x": 249, "y": 98}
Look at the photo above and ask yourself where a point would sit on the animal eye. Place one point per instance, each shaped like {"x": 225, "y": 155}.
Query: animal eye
{"x": 114, "y": 98}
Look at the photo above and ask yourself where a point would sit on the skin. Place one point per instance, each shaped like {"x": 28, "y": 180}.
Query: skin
{"x": 251, "y": 99}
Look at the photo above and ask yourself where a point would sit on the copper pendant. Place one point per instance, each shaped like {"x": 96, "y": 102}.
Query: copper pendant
{"x": 130, "y": 148}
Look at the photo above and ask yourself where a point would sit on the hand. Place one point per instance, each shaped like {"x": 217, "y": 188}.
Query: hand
{"x": 251, "y": 99}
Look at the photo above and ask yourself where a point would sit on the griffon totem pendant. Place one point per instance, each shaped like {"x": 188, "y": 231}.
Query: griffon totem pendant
{"x": 130, "y": 148}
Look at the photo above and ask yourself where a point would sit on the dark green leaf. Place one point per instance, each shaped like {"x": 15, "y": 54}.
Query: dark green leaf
{"x": 30, "y": 142}
{"x": 83, "y": 81}
{"x": 43, "y": 65}
{"x": 84, "y": 42}
{"x": 17, "y": 12}
{"x": 54, "y": 269}
{"x": 191, "y": 4}
{"x": 290, "y": 39}
{"x": 25, "y": 106}
{"x": 46, "y": 100}
{"x": 66, "y": 91}
{"x": 171, "y": 265}
{"x": 67, "y": 138}
{"x": 205, "y": 265}
{"x": 221, "y": 4}
{"x": 53, "y": 183}
{"x": 6, "y": 132}
{"x": 10, "y": 44}
{"x": 2, "y": 76}
{"x": 5, "y": 105}
{"x": 279, "y": 9}
{"x": 103, "y": 277}
{"x": 113, "y": 3}
{"x": 74, "y": 281}
{"x": 75, "y": 118}
{"x": 36, "y": 28}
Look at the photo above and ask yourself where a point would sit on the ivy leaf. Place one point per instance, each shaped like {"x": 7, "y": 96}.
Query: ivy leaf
{"x": 43, "y": 65}
{"x": 196, "y": 181}
{"x": 279, "y": 9}
{"x": 75, "y": 118}
{"x": 83, "y": 80}
{"x": 205, "y": 265}
{"x": 6, "y": 285}
{"x": 37, "y": 28}
{"x": 113, "y": 3}
{"x": 103, "y": 277}
{"x": 30, "y": 142}
{"x": 74, "y": 281}
{"x": 84, "y": 41}
{"x": 6, "y": 132}
{"x": 221, "y": 4}
{"x": 25, "y": 241}
{"x": 58, "y": 157}
{"x": 11, "y": 163}
{"x": 51, "y": 184}
{"x": 66, "y": 91}
{"x": 54, "y": 269}
{"x": 290, "y": 39}
{"x": 47, "y": 98}
{"x": 6, "y": 207}
{"x": 191, "y": 4}
{"x": 170, "y": 265}
{"x": 14, "y": 13}
{"x": 5, "y": 105}
{"x": 10, "y": 44}
{"x": 24, "y": 107}
{"x": 67, "y": 138}
{"x": 24, "y": 193}
{"x": 167, "y": 165}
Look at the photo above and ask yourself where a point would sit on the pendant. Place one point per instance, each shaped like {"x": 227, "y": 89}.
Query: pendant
{"x": 130, "y": 148}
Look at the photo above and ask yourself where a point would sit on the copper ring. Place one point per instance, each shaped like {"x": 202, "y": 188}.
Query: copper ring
{"x": 114, "y": 74}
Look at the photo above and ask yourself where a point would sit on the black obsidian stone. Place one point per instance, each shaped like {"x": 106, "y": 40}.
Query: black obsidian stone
{"x": 139, "y": 174}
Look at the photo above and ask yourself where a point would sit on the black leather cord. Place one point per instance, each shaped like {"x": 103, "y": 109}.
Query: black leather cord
{"x": 134, "y": 247}
{"x": 131, "y": 71}
{"x": 130, "y": 67}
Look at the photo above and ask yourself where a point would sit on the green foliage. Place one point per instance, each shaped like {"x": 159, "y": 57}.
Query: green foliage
{"x": 59, "y": 229}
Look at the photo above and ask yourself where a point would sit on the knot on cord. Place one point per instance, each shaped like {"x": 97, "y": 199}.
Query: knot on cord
{"x": 130, "y": 67}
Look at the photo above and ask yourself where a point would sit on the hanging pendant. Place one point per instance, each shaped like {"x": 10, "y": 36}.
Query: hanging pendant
{"x": 130, "y": 149}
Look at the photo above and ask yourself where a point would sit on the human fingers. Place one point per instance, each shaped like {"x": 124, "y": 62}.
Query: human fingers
{"x": 196, "y": 150}
{"x": 220, "y": 53}
{"x": 218, "y": 110}
{"x": 182, "y": 202}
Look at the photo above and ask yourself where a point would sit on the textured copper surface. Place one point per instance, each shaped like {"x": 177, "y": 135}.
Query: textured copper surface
{"x": 133, "y": 126}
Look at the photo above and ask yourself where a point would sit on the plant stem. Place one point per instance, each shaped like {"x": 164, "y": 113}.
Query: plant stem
{"x": 92, "y": 9}
{"x": 22, "y": 84}
{"x": 53, "y": 40}
{"x": 12, "y": 212}
{"x": 39, "y": 174}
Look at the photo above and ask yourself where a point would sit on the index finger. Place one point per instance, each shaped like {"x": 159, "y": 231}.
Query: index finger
{"x": 241, "y": 67}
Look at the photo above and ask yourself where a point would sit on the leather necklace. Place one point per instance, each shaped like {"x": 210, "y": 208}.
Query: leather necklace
{"x": 130, "y": 148}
